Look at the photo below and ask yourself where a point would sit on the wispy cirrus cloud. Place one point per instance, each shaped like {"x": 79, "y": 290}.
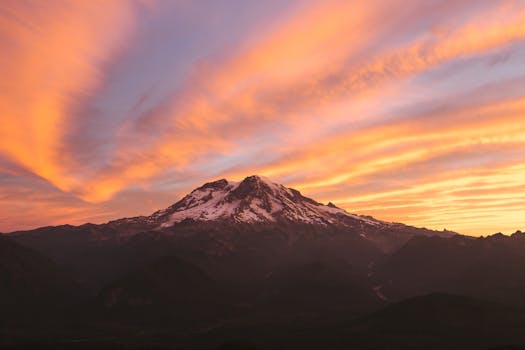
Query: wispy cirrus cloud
{"x": 376, "y": 106}
{"x": 52, "y": 55}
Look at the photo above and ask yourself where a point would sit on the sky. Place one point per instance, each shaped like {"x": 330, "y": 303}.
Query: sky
{"x": 410, "y": 111}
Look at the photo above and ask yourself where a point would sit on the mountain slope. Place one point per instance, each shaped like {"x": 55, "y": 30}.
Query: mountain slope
{"x": 490, "y": 267}
{"x": 164, "y": 281}
{"x": 27, "y": 278}
{"x": 235, "y": 230}
{"x": 437, "y": 321}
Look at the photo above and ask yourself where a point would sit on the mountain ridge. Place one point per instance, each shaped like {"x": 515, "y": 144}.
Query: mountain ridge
{"x": 254, "y": 199}
{"x": 247, "y": 204}
{"x": 293, "y": 259}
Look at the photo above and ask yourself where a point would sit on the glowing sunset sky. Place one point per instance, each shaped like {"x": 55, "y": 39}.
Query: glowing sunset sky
{"x": 410, "y": 111}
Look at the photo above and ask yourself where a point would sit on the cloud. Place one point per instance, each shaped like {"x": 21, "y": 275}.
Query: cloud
{"x": 52, "y": 58}
{"x": 375, "y": 105}
{"x": 281, "y": 78}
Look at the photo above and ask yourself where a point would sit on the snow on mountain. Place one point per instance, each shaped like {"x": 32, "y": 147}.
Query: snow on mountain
{"x": 256, "y": 199}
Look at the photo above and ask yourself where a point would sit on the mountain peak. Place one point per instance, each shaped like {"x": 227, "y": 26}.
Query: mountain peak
{"x": 256, "y": 179}
{"x": 255, "y": 186}
{"x": 256, "y": 199}
{"x": 219, "y": 184}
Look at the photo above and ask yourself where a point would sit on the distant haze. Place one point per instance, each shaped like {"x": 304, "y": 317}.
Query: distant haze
{"x": 409, "y": 111}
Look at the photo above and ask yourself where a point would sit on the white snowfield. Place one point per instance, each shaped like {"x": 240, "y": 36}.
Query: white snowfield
{"x": 254, "y": 200}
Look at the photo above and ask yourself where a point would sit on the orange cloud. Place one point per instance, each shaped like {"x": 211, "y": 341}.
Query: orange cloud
{"x": 51, "y": 57}
{"x": 243, "y": 92}
{"x": 307, "y": 90}
{"x": 477, "y": 201}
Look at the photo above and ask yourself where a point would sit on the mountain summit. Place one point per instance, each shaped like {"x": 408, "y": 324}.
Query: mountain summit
{"x": 249, "y": 206}
{"x": 256, "y": 199}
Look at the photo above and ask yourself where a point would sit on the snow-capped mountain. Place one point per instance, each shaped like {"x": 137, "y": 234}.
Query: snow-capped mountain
{"x": 256, "y": 199}
{"x": 255, "y": 204}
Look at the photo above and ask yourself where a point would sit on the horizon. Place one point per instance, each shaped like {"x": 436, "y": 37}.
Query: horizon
{"x": 406, "y": 111}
